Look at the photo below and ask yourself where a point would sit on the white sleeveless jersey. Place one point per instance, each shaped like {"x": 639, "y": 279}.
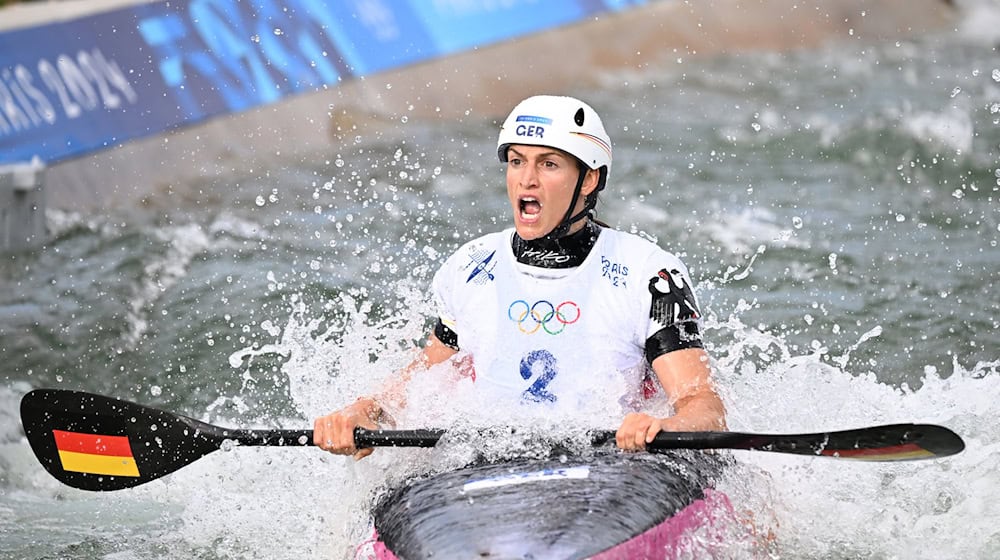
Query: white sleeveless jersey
{"x": 563, "y": 337}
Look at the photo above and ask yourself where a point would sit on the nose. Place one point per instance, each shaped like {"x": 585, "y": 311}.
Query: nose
{"x": 527, "y": 176}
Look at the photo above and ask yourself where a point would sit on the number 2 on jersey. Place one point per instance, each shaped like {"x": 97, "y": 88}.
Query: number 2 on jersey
{"x": 531, "y": 363}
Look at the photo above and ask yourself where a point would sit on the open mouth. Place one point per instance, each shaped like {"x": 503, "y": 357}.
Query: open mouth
{"x": 529, "y": 207}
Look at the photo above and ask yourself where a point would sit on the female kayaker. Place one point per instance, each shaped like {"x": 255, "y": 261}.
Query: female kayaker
{"x": 560, "y": 295}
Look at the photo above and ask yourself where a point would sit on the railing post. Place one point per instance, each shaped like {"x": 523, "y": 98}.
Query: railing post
{"x": 22, "y": 205}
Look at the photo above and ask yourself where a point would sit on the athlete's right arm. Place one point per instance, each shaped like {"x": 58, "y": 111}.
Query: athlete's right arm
{"x": 335, "y": 431}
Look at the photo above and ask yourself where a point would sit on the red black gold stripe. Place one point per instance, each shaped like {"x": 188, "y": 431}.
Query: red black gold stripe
{"x": 95, "y": 453}
{"x": 901, "y": 452}
{"x": 597, "y": 140}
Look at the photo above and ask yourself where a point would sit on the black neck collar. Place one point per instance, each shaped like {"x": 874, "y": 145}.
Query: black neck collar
{"x": 564, "y": 252}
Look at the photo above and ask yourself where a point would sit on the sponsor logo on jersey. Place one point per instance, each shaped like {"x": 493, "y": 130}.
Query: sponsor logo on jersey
{"x": 540, "y": 257}
{"x": 482, "y": 267}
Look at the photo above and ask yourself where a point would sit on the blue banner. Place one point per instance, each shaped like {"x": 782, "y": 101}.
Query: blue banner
{"x": 75, "y": 87}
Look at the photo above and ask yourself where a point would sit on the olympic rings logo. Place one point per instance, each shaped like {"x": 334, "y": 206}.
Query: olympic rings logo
{"x": 531, "y": 318}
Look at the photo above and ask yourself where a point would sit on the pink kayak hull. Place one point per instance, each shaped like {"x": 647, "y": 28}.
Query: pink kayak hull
{"x": 664, "y": 541}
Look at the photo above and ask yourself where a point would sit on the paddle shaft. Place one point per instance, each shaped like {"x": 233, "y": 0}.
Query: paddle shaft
{"x": 362, "y": 438}
{"x": 894, "y": 442}
{"x": 430, "y": 437}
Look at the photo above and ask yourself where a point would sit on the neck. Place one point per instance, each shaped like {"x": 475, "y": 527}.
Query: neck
{"x": 563, "y": 252}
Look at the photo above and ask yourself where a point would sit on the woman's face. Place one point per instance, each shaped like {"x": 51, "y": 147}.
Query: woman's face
{"x": 540, "y": 183}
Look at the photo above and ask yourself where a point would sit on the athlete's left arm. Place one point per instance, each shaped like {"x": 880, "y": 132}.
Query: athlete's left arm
{"x": 675, "y": 352}
{"x": 686, "y": 377}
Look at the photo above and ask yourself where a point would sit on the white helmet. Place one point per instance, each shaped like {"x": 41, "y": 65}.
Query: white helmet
{"x": 558, "y": 122}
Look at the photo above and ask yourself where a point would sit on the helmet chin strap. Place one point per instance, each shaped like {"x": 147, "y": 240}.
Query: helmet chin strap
{"x": 569, "y": 219}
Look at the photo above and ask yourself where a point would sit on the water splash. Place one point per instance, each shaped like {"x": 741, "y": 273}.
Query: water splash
{"x": 810, "y": 507}
{"x": 824, "y": 508}
{"x": 161, "y": 272}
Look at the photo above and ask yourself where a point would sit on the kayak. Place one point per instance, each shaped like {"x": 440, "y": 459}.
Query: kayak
{"x": 610, "y": 504}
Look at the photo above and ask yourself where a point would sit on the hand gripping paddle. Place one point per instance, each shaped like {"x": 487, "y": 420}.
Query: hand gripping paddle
{"x": 99, "y": 443}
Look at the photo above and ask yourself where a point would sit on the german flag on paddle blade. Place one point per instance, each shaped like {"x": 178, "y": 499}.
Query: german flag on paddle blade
{"x": 904, "y": 452}
{"x": 95, "y": 453}
{"x": 97, "y": 443}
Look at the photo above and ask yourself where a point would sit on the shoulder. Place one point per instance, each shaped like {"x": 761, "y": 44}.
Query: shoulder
{"x": 640, "y": 250}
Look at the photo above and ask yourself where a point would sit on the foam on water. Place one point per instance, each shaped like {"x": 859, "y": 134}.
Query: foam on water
{"x": 832, "y": 508}
{"x": 161, "y": 271}
{"x": 741, "y": 233}
{"x": 951, "y": 129}
{"x": 980, "y": 21}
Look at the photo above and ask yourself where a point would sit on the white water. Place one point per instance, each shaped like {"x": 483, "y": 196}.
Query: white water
{"x": 298, "y": 503}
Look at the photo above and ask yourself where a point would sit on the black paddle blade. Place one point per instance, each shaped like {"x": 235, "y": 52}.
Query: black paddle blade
{"x": 893, "y": 442}
{"x": 896, "y": 442}
{"x": 98, "y": 443}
